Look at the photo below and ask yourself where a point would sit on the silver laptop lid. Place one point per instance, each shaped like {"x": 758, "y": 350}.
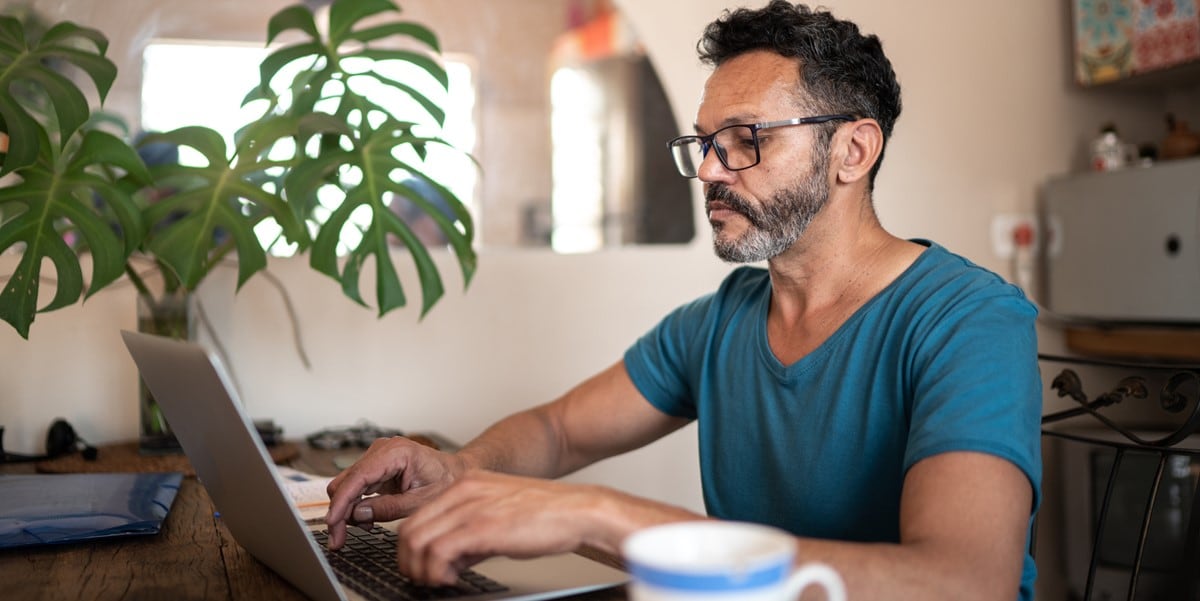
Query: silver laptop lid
{"x": 199, "y": 401}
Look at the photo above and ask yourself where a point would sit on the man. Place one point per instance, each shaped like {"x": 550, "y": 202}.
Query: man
{"x": 875, "y": 396}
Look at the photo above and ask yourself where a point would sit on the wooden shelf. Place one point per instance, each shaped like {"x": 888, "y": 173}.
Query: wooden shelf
{"x": 1164, "y": 344}
{"x": 1182, "y": 76}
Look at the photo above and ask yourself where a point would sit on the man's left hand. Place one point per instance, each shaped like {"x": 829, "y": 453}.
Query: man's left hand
{"x": 485, "y": 514}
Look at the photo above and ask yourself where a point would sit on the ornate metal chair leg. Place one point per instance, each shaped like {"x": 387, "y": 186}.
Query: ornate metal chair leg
{"x": 1146, "y": 517}
{"x": 1101, "y": 523}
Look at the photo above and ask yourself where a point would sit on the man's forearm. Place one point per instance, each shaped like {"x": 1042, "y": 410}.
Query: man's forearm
{"x": 525, "y": 443}
{"x": 603, "y": 416}
{"x": 896, "y": 572}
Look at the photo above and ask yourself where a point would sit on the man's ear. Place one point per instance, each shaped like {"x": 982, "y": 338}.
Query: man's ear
{"x": 859, "y": 144}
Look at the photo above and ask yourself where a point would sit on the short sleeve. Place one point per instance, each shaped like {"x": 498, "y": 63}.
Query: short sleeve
{"x": 977, "y": 385}
{"x": 665, "y": 364}
{"x": 659, "y": 361}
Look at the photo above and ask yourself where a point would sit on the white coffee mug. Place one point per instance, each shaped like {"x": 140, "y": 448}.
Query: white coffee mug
{"x": 721, "y": 561}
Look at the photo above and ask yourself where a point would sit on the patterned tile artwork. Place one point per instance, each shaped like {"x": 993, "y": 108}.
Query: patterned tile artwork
{"x": 1120, "y": 38}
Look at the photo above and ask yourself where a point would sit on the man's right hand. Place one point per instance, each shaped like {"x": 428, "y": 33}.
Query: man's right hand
{"x": 405, "y": 474}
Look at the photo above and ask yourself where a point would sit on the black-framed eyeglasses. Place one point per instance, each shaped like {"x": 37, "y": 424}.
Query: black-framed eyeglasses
{"x": 736, "y": 145}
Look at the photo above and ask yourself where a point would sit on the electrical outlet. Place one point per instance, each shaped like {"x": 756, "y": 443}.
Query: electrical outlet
{"x": 1014, "y": 230}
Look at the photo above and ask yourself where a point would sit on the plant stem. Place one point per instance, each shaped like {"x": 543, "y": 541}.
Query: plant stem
{"x": 140, "y": 284}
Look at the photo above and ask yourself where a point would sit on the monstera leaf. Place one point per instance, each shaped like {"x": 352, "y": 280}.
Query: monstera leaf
{"x": 328, "y": 59}
{"x": 27, "y": 80}
{"x": 218, "y": 205}
{"x": 375, "y": 159}
{"x": 67, "y": 192}
{"x": 364, "y": 164}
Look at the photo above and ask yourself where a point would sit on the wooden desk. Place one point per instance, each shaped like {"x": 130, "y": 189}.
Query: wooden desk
{"x": 194, "y": 557}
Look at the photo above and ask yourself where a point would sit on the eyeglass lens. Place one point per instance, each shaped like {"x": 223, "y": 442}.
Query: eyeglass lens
{"x": 736, "y": 147}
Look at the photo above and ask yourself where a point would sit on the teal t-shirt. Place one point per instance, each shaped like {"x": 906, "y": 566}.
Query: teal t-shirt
{"x": 943, "y": 359}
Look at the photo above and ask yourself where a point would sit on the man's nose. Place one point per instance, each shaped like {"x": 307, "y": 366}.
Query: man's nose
{"x": 712, "y": 169}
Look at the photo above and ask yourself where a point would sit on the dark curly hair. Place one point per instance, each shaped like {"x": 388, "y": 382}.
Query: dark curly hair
{"x": 843, "y": 70}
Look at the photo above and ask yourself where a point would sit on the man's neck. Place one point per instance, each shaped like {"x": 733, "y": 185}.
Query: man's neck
{"x": 843, "y": 260}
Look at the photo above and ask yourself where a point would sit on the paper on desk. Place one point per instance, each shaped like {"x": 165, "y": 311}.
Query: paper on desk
{"x": 307, "y": 492}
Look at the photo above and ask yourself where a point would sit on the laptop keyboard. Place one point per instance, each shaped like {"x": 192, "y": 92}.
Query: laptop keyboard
{"x": 367, "y": 565}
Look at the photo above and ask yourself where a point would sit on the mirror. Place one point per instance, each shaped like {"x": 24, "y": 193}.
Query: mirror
{"x": 572, "y": 123}
{"x": 555, "y": 99}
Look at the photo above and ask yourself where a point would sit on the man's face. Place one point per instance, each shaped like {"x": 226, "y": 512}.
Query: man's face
{"x": 760, "y": 212}
{"x": 774, "y": 224}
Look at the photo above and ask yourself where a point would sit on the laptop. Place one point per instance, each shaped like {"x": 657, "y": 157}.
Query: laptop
{"x": 229, "y": 458}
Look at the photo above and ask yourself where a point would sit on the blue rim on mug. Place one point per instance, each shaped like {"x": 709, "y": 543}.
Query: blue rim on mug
{"x": 742, "y": 580}
{"x": 661, "y": 557}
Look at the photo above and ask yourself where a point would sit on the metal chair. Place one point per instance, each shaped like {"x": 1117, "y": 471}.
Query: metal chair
{"x": 1130, "y": 469}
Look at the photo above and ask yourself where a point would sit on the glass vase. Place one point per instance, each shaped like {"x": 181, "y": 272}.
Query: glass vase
{"x": 169, "y": 315}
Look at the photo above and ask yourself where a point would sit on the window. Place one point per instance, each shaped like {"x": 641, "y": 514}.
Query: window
{"x": 203, "y": 83}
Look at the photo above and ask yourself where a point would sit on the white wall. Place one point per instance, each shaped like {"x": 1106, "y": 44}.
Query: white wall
{"x": 990, "y": 113}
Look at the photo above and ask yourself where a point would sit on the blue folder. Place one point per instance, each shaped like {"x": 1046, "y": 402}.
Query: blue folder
{"x": 49, "y": 509}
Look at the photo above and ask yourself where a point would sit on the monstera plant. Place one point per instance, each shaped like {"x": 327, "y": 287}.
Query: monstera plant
{"x": 321, "y": 159}
{"x": 71, "y": 188}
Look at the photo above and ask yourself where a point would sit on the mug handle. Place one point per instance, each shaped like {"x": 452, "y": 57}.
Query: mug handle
{"x": 816, "y": 573}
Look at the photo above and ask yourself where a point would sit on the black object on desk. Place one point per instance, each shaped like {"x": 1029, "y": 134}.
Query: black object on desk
{"x": 61, "y": 439}
{"x": 46, "y": 509}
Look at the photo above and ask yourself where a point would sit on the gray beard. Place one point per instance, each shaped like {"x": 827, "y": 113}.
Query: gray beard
{"x": 774, "y": 226}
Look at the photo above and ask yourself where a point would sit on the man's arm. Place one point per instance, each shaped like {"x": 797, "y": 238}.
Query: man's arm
{"x": 604, "y": 416}
{"x": 964, "y": 518}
